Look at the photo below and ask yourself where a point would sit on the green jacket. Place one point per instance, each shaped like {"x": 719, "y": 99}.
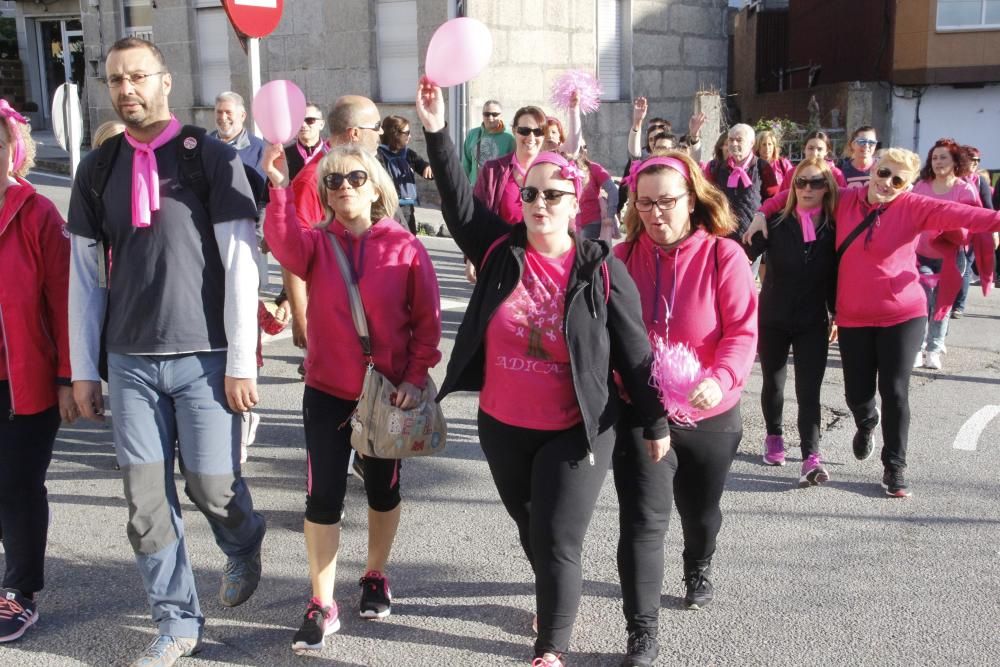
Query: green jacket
{"x": 481, "y": 146}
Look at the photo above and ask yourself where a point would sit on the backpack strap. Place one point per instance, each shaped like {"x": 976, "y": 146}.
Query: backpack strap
{"x": 856, "y": 232}
{"x": 107, "y": 153}
{"x": 489, "y": 251}
{"x": 190, "y": 170}
{"x": 606, "y": 274}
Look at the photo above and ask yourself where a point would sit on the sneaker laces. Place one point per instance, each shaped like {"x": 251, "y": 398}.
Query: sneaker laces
{"x": 159, "y": 647}
{"x": 813, "y": 461}
{"x": 547, "y": 662}
{"x": 640, "y": 642}
{"x": 316, "y": 608}
{"x": 235, "y": 569}
{"x": 695, "y": 579}
{"x": 10, "y": 609}
{"x": 375, "y": 580}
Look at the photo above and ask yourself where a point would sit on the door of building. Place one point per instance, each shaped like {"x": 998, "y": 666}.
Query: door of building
{"x": 60, "y": 57}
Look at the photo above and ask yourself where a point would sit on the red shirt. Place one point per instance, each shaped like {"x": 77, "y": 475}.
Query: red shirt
{"x": 590, "y": 198}
{"x": 528, "y": 380}
{"x": 510, "y": 202}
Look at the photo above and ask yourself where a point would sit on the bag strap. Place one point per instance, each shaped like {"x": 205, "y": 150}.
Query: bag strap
{"x": 857, "y": 231}
{"x": 489, "y": 251}
{"x": 357, "y": 307}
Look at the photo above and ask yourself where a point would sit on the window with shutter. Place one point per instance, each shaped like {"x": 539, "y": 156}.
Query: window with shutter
{"x": 609, "y": 48}
{"x": 396, "y": 35}
{"x": 213, "y": 50}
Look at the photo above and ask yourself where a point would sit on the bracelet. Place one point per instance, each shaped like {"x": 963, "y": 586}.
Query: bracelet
{"x": 632, "y": 129}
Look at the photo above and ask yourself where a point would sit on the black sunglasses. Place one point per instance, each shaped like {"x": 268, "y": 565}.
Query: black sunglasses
{"x": 377, "y": 127}
{"x": 525, "y": 131}
{"x": 530, "y": 194}
{"x": 897, "y": 182}
{"x": 356, "y": 178}
{"x": 407, "y": 131}
{"x": 815, "y": 183}
{"x": 491, "y": 114}
{"x": 311, "y": 121}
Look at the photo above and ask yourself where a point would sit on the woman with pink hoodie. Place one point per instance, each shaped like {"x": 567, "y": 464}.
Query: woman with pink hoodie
{"x": 399, "y": 291}
{"x": 696, "y": 288}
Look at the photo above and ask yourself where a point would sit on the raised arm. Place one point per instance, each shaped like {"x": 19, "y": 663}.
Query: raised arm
{"x": 639, "y": 109}
{"x": 574, "y": 127}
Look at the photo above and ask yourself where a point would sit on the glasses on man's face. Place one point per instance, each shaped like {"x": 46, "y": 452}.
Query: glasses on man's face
{"x": 135, "y": 78}
{"x": 311, "y": 121}
{"x": 377, "y": 127}
{"x": 526, "y": 131}
{"x": 897, "y": 182}
{"x": 356, "y": 178}
{"x": 814, "y": 183}
{"x": 490, "y": 115}
{"x": 657, "y": 126}
{"x": 866, "y": 143}
{"x": 530, "y": 194}
{"x": 645, "y": 204}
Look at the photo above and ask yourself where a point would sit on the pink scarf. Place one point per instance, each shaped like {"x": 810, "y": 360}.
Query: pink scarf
{"x": 805, "y": 216}
{"x": 146, "y": 176}
{"x": 321, "y": 149}
{"x": 738, "y": 173}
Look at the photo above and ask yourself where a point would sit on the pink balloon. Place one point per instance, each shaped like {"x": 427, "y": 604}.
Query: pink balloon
{"x": 278, "y": 109}
{"x": 459, "y": 50}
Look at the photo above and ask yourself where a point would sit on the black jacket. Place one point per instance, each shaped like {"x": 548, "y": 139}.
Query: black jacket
{"x": 800, "y": 284}
{"x": 600, "y": 335}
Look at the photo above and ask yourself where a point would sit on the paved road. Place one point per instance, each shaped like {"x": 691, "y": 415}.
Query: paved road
{"x": 838, "y": 575}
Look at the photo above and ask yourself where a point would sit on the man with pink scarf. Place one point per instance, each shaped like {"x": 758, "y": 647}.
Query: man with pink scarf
{"x": 180, "y": 334}
{"x": 746, "y": 180}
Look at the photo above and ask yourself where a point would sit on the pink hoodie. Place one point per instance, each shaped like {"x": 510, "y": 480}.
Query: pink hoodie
{"x": 399, "y": 290}
{"x": 878, "y": 284}
{"x": 706, "y": 282}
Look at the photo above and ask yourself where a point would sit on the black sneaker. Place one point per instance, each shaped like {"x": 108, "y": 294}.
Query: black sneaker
{"x": 376, "y": 598}
{"x": 642, "y": 649}
{"x": 240, "y": 578}
{"x": 895, "y": 484}
{"x": 319, "y": 622}
{"x": 699, "y": 590}
{"x": 17, "y": 614}
{"x": 864, "y": 439}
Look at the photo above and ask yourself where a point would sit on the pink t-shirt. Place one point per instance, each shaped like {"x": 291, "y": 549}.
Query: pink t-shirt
{"x": 962, "y": 192}
{"x": 590, "y": 198}
{"x": 510, "y": 200}
{"x": 528, "y": 380}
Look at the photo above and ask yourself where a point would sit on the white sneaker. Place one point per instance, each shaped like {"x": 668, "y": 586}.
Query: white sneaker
{"x": 933, "y": 361}
{"x": 919, "y": 361}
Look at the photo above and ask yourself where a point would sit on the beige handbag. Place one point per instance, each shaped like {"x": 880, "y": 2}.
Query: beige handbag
{"x": 380, "y": 429}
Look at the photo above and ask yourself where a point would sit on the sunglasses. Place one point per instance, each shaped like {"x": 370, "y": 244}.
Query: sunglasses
{"x": 311, "y": 121}
{"x": 491, "y": 114}
{"x": 377, "y": 127}
{"x": 897, "y": 182}
{"x": 525, "y": 131}
{"x": 657, "y": 126}
{"x": 356, "y": 178}
{"x": 530, "y": 194}
{"x": 866, "y": 142}
{"x": 663, "y": 203}
{"x": 815, "y": 183}
{"x": 406, "y": 132}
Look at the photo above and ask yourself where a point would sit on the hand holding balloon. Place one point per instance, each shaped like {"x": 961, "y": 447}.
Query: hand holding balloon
{"x": 430, "y": 105}
{"x": 274, "y": 165}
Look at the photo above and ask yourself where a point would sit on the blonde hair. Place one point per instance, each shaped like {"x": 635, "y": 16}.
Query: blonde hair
{"x": 711, "y": 208}
{"x": 24, "y": 131}
{"x": 334, "y": 161}
{"x": 829, "y": 198}
{"x": 909, "y": 160}
{"x": 768, "y": 134}
{"x": 105, "y": 131}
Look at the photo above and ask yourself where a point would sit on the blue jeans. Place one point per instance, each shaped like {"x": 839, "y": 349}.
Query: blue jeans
{"x": 936, "y": 330}
{"x": 175, "y": 404}
{"x": 965, "y": 259}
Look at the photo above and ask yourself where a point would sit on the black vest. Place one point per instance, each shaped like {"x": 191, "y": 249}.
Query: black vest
{"x": 744, "y": 201}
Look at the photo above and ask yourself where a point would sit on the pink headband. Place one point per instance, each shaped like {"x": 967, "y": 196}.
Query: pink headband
{"x": 638, "y": 167}
{"x": 567, "y": 169}
{"x": 10, "y": 117}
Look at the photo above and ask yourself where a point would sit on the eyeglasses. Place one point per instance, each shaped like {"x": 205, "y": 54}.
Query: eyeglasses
{"x": 866, "y": 142}
{"x": 356, "y": 178}
{"x": 491, "y": 114}
{"x": 656, "y": 126}
{"x": 530, "y": 194}
{"x": 136, "y": 78}
{"x": 525, "y": 131}
{"x": 663, "y": 203}
{"x": 406, "y": 132}
{"x": 974, "y": 159}
{"x": 377, "y": 127}
{"x": 815, "y": 183}
{"x": 311, "y": 121}
{"x": 897, "y": 182}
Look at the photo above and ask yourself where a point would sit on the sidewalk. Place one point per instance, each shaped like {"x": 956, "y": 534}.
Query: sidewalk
{"x": 50, "y": 157}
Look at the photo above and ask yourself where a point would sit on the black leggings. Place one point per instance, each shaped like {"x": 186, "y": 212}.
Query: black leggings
{"x": 692, "y": 474}
{"x": 25, "y": 453}
{"x": 809, "y": 350}
{"x": 884, "y": 354}
{"x": 328, "y": 449}
{"x": 549, "y": 488}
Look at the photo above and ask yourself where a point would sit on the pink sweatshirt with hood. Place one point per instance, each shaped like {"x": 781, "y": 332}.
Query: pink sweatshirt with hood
{"x": 399, "y": 290}
{"x": 706, "y": 283}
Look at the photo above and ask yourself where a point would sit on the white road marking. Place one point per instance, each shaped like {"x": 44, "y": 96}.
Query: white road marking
{"x": 454, "y": 304}
{"x": 968, "y": 436}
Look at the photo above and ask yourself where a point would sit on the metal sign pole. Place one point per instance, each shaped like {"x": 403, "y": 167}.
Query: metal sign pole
{"x": 253, "y": 51}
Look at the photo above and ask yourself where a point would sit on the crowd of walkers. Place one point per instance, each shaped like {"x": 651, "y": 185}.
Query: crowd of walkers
{"x": 873, "y": 251}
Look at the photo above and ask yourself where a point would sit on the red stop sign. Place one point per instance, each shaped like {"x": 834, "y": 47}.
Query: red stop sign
{"x": 254, "y": 18}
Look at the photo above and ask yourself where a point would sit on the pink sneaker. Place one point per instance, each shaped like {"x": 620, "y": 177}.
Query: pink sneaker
{"x": 554, "y": 661}
{"x": 774, "y": 450}
{"x": 813, "y": 472}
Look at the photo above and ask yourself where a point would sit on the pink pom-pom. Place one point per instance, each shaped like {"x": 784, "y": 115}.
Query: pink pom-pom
{"x": 584, "y": 84}
{"x": 676, "y": 372}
